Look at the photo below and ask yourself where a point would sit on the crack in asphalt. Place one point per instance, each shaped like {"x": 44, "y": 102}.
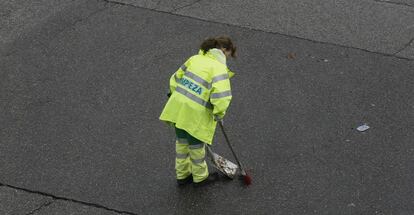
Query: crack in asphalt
{"x": 54, "y": 197}
{"x": 182, "y": 7}
{"x": 260, "y": 30}
{"x": 395, "y": 3}
{"x": 406, "y": 46}
{"x": 40, "y": 207}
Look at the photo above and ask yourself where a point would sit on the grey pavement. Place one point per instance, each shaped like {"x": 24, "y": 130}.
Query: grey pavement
{"x": 18, "y": 202}
{"x": 373, "y": 25}
{"x": 83, "y": 83}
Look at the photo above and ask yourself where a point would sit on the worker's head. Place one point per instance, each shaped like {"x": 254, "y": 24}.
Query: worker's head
{"x": 222, "y": 42}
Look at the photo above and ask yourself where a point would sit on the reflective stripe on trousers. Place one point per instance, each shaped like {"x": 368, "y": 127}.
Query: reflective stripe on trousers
{"x": 182, "y": 160}
{"x": 190, "y": 158}
{"x": 198, "y": 164}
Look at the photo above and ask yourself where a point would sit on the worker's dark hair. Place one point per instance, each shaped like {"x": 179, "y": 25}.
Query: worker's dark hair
{"x": 218, "y": 42}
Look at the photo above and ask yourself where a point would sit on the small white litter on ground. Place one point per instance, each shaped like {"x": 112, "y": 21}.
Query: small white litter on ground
{"x": 351, "y": 205}
{"x": 363, "y": 127}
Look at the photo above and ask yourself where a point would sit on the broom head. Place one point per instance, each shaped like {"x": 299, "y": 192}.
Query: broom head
{"x": 246, "y": 178}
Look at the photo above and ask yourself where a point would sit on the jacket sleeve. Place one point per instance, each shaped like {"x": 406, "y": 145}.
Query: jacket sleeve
{"x": 177, "y": 76}
{"x": 220, "y": 96}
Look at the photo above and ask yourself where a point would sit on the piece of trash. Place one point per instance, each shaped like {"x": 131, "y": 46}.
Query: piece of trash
{"x": 322, "y": 60}
{"x": 291, "y": 56}
{"x": 347, "y": 140}
{"x": 351, "y": 205}
{"x": 363, "y": 127}
{"x": 373, "y": 105}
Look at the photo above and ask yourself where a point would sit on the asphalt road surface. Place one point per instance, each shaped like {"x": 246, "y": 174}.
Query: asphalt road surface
{"x": 82, "y": 84}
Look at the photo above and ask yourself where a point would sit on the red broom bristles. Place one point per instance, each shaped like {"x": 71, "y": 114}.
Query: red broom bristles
{"x": 247, "y": 179}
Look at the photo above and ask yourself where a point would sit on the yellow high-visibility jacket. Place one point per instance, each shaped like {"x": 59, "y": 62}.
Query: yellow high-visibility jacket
{"x": 200, "y": 92}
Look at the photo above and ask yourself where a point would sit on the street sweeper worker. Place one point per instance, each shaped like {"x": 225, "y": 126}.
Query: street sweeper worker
{"x": 200, "y": 94}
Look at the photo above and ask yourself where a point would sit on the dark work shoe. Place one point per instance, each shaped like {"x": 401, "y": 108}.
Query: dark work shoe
{"x": 213, "y": 177}
{"x": 185, "y": 181}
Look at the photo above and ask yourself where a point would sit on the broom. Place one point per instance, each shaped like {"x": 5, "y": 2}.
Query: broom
{"x": 246, "y": 178}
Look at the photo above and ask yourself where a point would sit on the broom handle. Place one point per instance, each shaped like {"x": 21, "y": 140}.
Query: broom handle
{"x": 231, "y": 148}
{"x": 210, "y": 152}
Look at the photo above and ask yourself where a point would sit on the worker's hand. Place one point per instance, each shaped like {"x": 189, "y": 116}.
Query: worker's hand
{"x": 169, "y": 93}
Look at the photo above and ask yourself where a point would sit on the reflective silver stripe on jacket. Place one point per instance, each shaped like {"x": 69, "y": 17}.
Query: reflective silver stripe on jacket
{"x": 197, "y": 79}
{"x": 200, "y": 80}
{"x": 220, "y": 78}
{"x": 197, "y": 161}
{"x": 194, "y": 98}
{"x": 197, "y": 146}
{"x": 181, "y": 156}
{"x": 183, "y": 67}
{"x": 220, "y": 95}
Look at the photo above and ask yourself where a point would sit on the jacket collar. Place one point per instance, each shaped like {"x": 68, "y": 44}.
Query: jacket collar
{"x": 218, "y": 55}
